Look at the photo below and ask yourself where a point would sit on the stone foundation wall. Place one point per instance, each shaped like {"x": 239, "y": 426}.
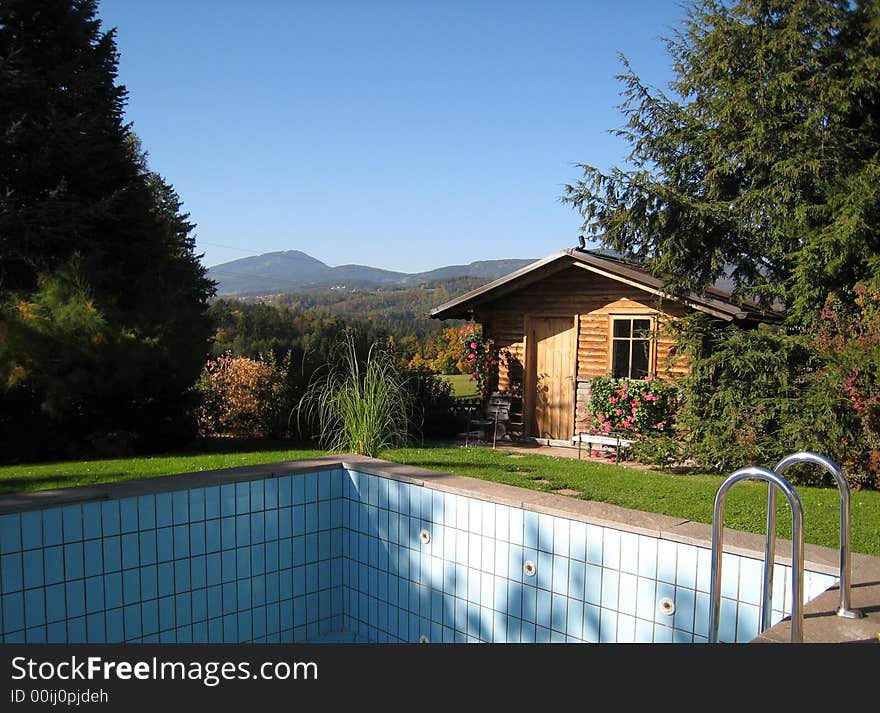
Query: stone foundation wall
{"x": 582, "y": 405}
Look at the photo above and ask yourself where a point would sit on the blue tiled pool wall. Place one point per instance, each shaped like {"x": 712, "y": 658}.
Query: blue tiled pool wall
{"x": 305, "y": 557}
{"x": 591, "y": 583}
{"x": 257, "y": 561}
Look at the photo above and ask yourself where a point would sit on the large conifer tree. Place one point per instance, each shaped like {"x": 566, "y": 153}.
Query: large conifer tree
{"x": 761, "y": 162}
{"x": 762, "y": 158}
{"x": 103, "y": 326}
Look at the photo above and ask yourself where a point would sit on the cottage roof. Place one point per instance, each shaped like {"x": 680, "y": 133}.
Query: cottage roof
{"x": 712, "y": 300}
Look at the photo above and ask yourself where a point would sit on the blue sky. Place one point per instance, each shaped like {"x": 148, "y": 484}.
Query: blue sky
{"x": 402, "y": 135}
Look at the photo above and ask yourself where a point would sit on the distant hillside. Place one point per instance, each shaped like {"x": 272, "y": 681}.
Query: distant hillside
{"x": 295, "y": 271}
{"x": 405, "y": 306}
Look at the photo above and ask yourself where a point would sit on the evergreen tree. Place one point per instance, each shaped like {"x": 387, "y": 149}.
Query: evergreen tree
{"x": 103, "y": 325}
{"x": 761, "y": 161}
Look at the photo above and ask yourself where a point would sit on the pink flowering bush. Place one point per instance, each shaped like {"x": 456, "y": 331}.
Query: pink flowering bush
{"x": 632, "y": 407}
{"x": 479, "y": 356}
{"x": 847, "y": 385}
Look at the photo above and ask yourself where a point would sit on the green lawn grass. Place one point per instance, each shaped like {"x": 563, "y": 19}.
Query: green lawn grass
{"x": 43, "y": 476}
{"x": 462, "y": 384}
{"x": 687, "y": 496}
{"x": 690, "y": 497}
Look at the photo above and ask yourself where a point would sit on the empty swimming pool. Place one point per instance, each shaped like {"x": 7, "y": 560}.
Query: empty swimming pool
{"x": 360, "y": 550}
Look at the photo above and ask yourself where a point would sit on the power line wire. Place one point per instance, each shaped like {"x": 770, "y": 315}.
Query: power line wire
{"x": 229, "y": 247}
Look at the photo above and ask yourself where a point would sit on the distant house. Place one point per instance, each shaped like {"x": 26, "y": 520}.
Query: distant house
{"x": 576, "y": 315}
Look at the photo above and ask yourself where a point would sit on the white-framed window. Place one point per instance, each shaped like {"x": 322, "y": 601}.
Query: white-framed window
{"x": 631, "y": 346}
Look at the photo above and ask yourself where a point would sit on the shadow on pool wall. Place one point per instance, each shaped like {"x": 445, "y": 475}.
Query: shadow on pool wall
{"x": 346, "y": 548}
{"x": 492, "y": 572}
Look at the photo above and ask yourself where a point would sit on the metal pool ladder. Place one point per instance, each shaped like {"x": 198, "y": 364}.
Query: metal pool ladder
{"x": 776, "y": 480}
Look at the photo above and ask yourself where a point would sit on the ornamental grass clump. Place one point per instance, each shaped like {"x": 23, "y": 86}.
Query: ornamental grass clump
{"x": 357, "y": 406}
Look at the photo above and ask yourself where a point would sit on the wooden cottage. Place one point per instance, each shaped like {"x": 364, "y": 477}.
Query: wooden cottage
{"x": 576, "y": 315}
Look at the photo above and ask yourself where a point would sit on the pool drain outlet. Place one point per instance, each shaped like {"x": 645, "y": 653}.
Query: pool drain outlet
{"x": 424, "y": 639}
{"x": 667, "y": 606}
{"x": 424, "y": 537}
{"x": 529, "y": 568}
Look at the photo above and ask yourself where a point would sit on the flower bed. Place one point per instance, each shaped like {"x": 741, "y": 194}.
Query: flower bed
{"x": 631, "y": 407}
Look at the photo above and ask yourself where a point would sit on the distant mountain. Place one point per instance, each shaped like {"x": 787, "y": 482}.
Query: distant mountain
{"x": 295, "y": 271}
{"x": 486, "y": 269}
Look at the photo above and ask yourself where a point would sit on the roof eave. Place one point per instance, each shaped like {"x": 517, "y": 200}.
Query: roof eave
{"x": 460, "y": 302}
{"x": 463, "y": 307}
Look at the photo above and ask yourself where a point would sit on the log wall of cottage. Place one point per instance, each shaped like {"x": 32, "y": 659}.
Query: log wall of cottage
{"x": 592, "y": 300}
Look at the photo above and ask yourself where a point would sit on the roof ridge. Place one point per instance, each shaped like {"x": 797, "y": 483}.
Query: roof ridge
{"x": 717, "y": 301}
{"x": 710, "y": 290}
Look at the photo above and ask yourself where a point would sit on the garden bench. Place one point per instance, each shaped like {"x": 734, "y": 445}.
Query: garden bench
{"x": 619, "y": 442}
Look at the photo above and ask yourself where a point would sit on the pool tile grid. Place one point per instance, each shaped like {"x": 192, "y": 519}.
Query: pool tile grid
{"x": 298, "y": 557}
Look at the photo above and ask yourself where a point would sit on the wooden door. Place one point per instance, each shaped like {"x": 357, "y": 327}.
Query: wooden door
{"x": 551, "y": 343}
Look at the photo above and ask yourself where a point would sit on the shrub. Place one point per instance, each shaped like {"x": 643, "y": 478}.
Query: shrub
{"x": 243, "y": 398}
{"x": 74, "y": 383}
{"x": 631, "y": 406}
{"x": 657, "y": 449}
{"x": 841, "y": 412}
{"x": 432, "y": 400}
{"x": 742, "y": 396}
{"x": 755, "y": 396}
{"x": 357, "y": 407}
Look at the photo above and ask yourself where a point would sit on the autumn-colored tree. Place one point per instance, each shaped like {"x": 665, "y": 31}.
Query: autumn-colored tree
{"x": 244, "y": 398}
{"x": 441, "y": 353}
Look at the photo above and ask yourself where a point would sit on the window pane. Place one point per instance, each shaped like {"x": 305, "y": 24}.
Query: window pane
{"x": 622, "y": 327}
{"x": 639, "y": 358}
{"x": 620, "y": 359}
{"x": 641, "y": 328}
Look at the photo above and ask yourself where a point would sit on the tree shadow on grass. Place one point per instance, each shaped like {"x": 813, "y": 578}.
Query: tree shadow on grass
{"x": 33, "y": 483}
{"x": 241, "y": 445}
{"x": 445, "y": 466}
{"x": 207, "y": 446}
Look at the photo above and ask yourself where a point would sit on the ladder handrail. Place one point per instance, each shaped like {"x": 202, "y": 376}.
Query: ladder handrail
{"x": 797, "y": 544}
{"x": 845, "y": 570}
